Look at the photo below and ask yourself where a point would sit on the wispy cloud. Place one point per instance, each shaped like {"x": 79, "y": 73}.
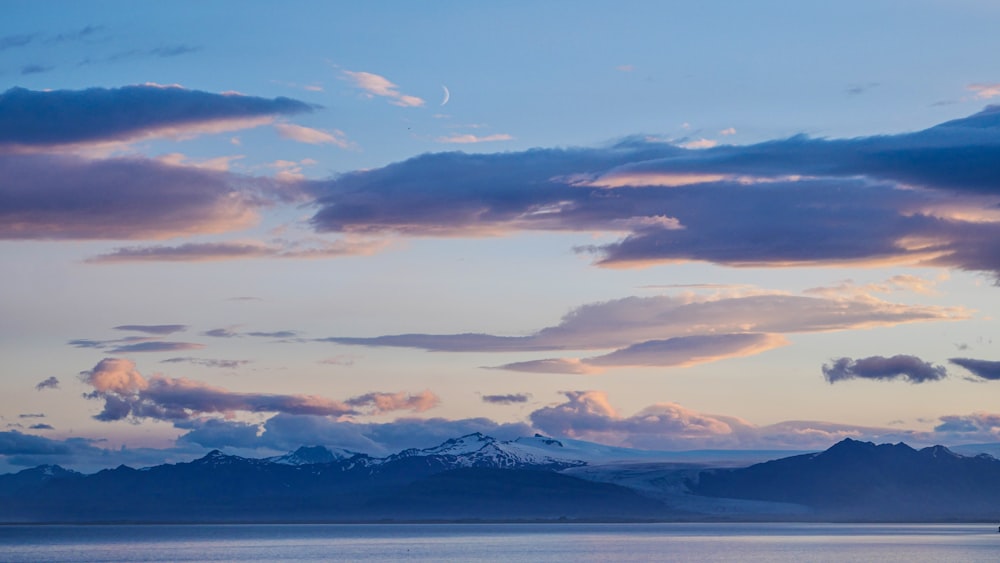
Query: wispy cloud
{"x": 219, "y": 251}
{"x": 224, "y": 364}
{"x": 313, "y": 136}
{"x": 984, "y": 91}
{"x": 161, "y": 330}
{"x": 674, "y": 331}
{"x": 375, "y": 85}
{"x": 48, "y": 383}
{"x": 459, "y": 138}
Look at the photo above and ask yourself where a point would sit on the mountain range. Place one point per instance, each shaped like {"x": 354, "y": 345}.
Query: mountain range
{"x": 477, "y": 477}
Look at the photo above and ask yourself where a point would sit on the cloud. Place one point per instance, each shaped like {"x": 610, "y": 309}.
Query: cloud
{"x": 679, "y": 351}
{"x": 41, "y": 426}
{"x": 975, "y": 426}
{"x": 341, "y": 360}
{"x": 285, "y": 432}
{"x": 160, "y": 330}
{"x": 907, "y": 368}
{"x": 155, "y": 346}
{"x": 923, "y": 198}
{"x": 985, "y": 369}
{"x": 64, "y": 197}
{"x": 589, "y": 415}
{"x": 34, "y": 69}
{"x": 38, "y": 119}
{"x": 31, "y": 415}
{"x": 384, "y": 402}
{"x": 469, "y": 138}
{"x": 309, "y": 249}
{"x": 673, "y": 331}
{"x": 230, "y": 333}
{"x": 14, "y": 41}
{"x": 129, "y": 395}
{"x": 48, "y": 383}
{"x": 985, "y": 91}
{"x": 508, "y": 399}
{"x": 313, "y": 136}
{"x": 225, "y": 364}
{"x": 375, "y": 85}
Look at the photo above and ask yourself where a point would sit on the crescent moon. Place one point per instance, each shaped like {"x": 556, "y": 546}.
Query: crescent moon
{"x": 447, "y": 95}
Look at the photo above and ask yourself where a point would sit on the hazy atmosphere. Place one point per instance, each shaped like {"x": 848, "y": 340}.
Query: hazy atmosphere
{"x": 380, "y": 225}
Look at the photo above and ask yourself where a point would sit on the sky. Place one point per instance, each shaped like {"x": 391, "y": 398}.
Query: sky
{"x": 380, "y": 225}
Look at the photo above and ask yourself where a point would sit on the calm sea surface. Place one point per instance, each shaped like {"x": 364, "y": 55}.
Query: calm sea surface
{"x": 503, "y": 542}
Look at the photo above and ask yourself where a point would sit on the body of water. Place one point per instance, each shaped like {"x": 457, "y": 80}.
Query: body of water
{"x": 502, "y": 542}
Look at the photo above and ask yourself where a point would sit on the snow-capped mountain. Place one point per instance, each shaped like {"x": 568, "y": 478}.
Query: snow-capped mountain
{"x": 479, "y": 450}
{"x": 307, "y": 455}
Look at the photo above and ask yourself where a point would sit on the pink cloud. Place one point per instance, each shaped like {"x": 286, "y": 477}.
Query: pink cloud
{"x": 313, "y": 136}
{"x": 127, "y": 394}
{"x": 375, "y": 85}
{"x": 470, "y": 139}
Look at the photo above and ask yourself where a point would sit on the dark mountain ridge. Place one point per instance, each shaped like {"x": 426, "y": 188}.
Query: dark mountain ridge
{"x": 864, "y": 481}
{"x": 478, "y": 477}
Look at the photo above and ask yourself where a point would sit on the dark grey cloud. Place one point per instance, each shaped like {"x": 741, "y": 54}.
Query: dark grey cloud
{"x": 985, "y": 425}
{"x": 173, "y": 50}
{"x": 31, "y": 415}
{"x": 41, "y": 426}
{"x": 230, "y": 333}
{"x": 84, "y": 33}
{"x": 20, "y": 450}
{"x": 48, "y": 383}
{"x": 508, "y": 399}
{"x": 224, "y": 364}
{"x": 986, "y": 369}
{"x": 907, "y": 368}
{"x": 928, "y": 197}
{"x": 59, "y": 117}
{"x": 14, "y": 41}
{"x": 64, "y": 197}
{"x": 275, "y": 334}
{"x": 15, "y": 443}
{"x": 155, "y": 346}
{"x": 35, "y": 69}
{"x": 153, "y": 329}
{"x": 129, "y": 395}
{"x": 219, "y": 433}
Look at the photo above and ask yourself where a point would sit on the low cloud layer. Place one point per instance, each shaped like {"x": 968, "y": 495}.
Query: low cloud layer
{"x": 926, "y": 197}
{"x": 880, "y": 368}
{"x": 674, "y": 331}
{"x": 127, "y": 394}
{"x": 589, "y": 415}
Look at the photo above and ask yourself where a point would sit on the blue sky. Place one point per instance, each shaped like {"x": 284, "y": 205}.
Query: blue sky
{"x": 659, "y": 225}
